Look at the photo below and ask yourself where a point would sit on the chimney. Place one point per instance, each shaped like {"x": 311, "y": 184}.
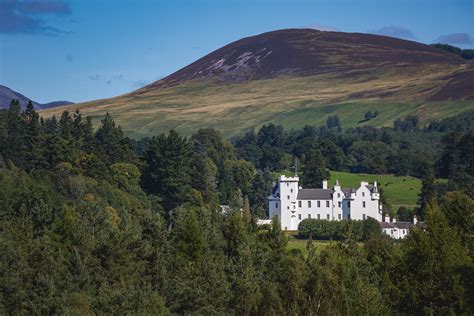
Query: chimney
{"x": 415, "y": 220}
{"x": 387, "y": 218}
{"x": 325, "y": 184}
{"x": 394, "y": 220}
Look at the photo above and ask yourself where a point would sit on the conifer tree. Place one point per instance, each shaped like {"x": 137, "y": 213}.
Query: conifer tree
{"x": 314, "y": 170}
{"x": 427, "y": 194}
{"x": 168, "y": 169}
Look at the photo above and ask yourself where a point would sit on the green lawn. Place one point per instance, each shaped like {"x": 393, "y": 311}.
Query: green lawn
{"x": 300, "y": 244}
{"x": 399, "y": 191}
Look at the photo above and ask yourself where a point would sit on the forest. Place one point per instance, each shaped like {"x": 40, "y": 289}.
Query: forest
{"x": 93, "y": 222}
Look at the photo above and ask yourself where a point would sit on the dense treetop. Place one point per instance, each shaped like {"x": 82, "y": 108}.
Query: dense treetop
{"x": 92, "y": 222}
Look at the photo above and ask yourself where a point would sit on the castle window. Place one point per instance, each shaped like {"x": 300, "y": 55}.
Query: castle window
{"x": 338, "y": 216}
{"x": 291, "y": 190}
{"x": 319, "y": 216}
{"x": 363, "y": 216}
{"x": 309, "y": 215}
{"x": 288, "y": 197}
{"x": 299, "y": 216}
{"x": 327, "y": 203}
{"x": 339, "y": 204}
{"x": 287, "y": 184}
{"x": 327, "y": 216}
{"x": 288, "y": 207}
{"x": 309, "y": 203}
{"x": 363, "y": 194}
{"x": 319, "y": 203}
{"x": 339, "y": 195}
{"x": 363, "y": 204}
{"x": 276, "y": 204}
{"x": 299, "y": 203}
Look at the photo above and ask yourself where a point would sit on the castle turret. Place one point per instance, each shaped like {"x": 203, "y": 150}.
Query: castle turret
{"x": 375, "y": 192}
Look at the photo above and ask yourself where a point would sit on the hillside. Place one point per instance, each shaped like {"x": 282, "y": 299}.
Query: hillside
{"x": 296, "y": 77}
{"x": 7, "y": 95}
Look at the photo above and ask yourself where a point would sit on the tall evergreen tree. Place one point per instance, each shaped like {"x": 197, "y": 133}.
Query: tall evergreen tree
{"x": 314, "y": 170}
{"x": 167, "y": 174}
{"x": 427, "y": 195}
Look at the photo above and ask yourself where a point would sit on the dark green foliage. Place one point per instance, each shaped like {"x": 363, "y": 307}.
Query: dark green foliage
{"x": 82, "y": 232}
{"x": 464, "y": 53}
{"x": 437, "y": 260}
{"x": 333, "y": 122}
{"x": 405, "y": 214}
{"x": 370, "y": 115}
{"x": 405, "y": 149}
{"x": 314, "y": 170}
{"x": 427, "y": 194}
{"x": 338, "y": 230}
{"x": 258, "y": 194}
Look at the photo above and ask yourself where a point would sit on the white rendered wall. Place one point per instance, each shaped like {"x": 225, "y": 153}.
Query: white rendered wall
{"x": 288, "y": 193}
{"x": 357, "y": 209}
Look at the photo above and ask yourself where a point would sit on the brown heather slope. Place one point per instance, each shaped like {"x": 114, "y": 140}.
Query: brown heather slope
{"x": 296, "y": 77}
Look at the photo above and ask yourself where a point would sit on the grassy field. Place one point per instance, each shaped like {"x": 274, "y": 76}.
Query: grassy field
{"x": 290, "y": 101}
{"x": 301, "y": 244}
{"x": 399, "y": 191}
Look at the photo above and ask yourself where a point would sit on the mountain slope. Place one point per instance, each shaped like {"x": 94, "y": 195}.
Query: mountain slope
{"x": 297, "y": 77}
{"x": 7, "y": 95}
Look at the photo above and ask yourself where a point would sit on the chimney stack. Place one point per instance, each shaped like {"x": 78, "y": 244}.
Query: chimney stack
{"x": 325, "y": 184}
{"x": 387, "y": 218}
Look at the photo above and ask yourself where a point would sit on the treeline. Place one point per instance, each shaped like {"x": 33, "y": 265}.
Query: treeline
{"x": 404, "y": 149}
{"x": 464, "y": 53}
{"x": 92, "y": 222}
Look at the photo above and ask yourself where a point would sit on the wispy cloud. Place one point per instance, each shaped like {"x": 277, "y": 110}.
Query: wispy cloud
{"x": 455, "y": 38}
{"x": 94, "y": 77}
{"x": 394, "y": 31}
{"x": 106, "y": 79}
{"x": 31, "y": 16}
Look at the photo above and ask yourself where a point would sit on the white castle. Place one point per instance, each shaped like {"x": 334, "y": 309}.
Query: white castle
{"x": 290, "y": 203}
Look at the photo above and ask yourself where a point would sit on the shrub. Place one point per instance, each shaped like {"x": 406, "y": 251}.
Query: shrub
{"x": 338, "y": 230}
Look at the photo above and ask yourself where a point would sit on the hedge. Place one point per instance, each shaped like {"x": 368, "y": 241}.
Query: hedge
{"x": 338, "y": 230}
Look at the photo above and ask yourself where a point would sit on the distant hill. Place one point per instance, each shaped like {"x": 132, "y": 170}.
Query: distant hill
{"x": 7, "y": 95}
{"x": 296, "y": 77}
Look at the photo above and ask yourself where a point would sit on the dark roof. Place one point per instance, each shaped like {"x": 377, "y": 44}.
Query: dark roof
{"x": 398, "y": 225}
{"x": 385, "y": 225}
{"x": 403, "y": 225}
{"x": 315, "y": 194}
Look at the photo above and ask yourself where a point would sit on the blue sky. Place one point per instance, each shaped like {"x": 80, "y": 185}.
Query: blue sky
{"x": 80, "y": 50}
